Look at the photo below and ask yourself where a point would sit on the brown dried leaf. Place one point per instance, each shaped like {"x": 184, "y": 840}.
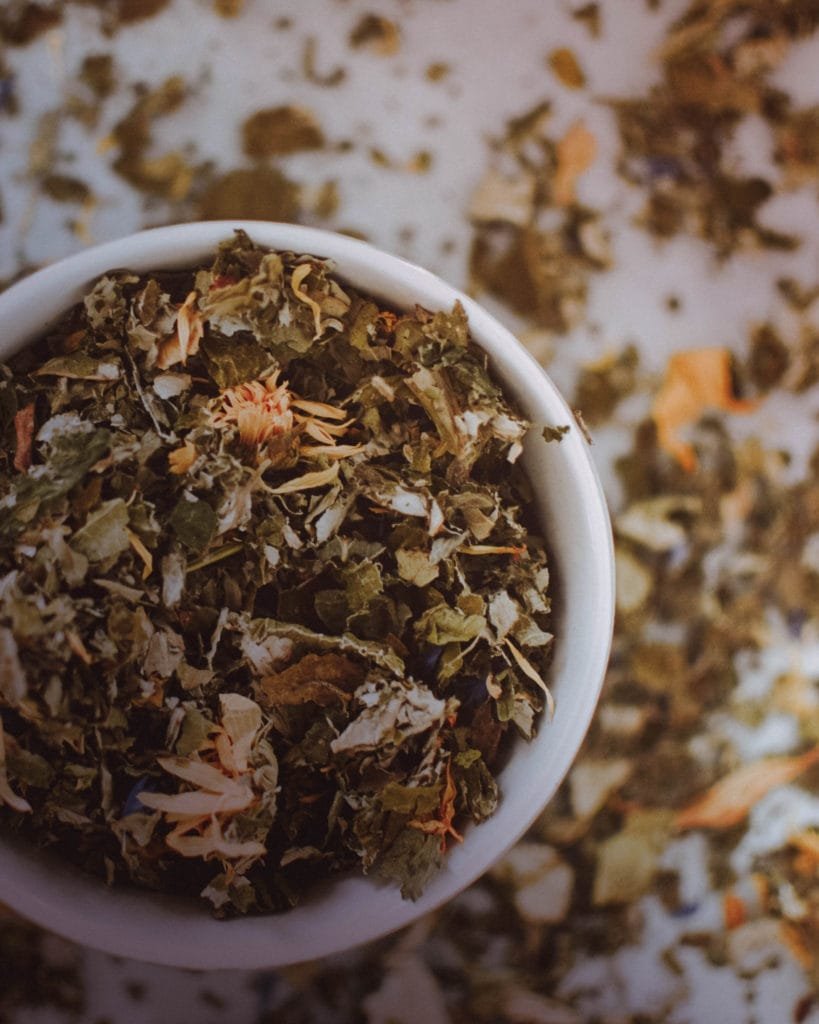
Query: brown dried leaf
{"x": 24, "y": 433}
{"x": 627, "y": 861}
{"x": 279, "y": 131}
{"x": 377, "y": 34}
{"x": 212, "y": 843}
{"x": 321, "y": 678}
{"x": 256, "y": 193}
{"x": 566, "y": 67}
{"x": 228, "y": 8}
{"x": 181, "y": 459}
{"x": 308, "y": 481}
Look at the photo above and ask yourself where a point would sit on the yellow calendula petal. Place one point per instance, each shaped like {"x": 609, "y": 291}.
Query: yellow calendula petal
{"x": 198, "y": 773}
{"x": 308, "y": 481}
{"x": 529, "y": 670}
{"x": 575, "y": 154}
{"x": 189, "y": 325}
{"x": 241, "y": 720}
{"x": 323, "y": 409}
{"x": 324, "y": 432}
{"x": 330, "y": 451}
{"x": 491, "y": 549}
{"x": 299, "y": 275}
{"x": 181, "y": 459}
{"x": 204, "y": 846}
{"x": 170, "y": 353}
{"x": 74, "y": 641}
{"x": 316, "y": 431}
{"x": 143, "y": 552}
{"x": 178, "y": 806}
{"x": 213, "y": 844}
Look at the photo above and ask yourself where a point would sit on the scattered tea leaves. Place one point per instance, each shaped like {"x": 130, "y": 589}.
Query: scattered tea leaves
{"x": 254, "y": 193}
{"x": 377, "y": 34}
{"x": 279, "y": 131}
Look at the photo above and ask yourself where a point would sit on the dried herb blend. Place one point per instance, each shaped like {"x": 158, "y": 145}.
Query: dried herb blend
{"x": 269, "y": 607}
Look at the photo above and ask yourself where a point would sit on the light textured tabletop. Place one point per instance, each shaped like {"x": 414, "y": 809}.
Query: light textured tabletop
{"x": 635, "y": 196}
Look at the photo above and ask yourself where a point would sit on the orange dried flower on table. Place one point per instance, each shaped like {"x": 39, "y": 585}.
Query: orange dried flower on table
{"x": 696, "y": 380}
{"x": 728, "y": 801}
{"x": 575, "y": 155}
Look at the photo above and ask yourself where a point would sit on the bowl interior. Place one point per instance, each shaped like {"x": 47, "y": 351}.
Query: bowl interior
{"x": 571, "y": 506}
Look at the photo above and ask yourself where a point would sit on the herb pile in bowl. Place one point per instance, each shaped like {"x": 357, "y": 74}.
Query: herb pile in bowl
{"x": 271, "y": 605}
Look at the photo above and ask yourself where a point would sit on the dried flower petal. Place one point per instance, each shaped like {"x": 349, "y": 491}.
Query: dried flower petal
{"x": 531, "y": 672}
{"x": 728, "y": 801}
{"x": 181, "y": 459}
{"x": 260, "y": 410}
{"x": 297, "y": 278}
{"x": 696, "y": 381}
{"x": 575, "y": 154}
{"x": 185, "y": 340}
{"x": 308, "y": 481}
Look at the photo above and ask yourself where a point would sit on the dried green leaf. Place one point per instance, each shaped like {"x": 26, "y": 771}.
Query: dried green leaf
{"x": 104, "y": 535}
{"x": 194, "y": 522}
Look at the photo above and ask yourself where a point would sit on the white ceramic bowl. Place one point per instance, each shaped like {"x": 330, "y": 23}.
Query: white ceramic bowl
{"x": 353, "y": 910}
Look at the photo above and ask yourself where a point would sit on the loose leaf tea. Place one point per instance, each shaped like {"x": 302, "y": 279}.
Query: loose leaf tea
{"x": 269, "y": 605}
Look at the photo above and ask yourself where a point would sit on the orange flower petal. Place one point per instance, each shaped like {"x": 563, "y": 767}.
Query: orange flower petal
{"x": 443, "y": 825}
{"x": 795, "y": 942}
{"x": 529, "y": 670}
{"x": 297, "y": 279}
{"x": 185, "y": 340}
{"x": 181, "y": 460}
{"x": 695, "y": 381}
{"x": 734, "y": 910}
{"x": 308, "y": 481}
{"x": 575, "y": 154}
{"x": 728, "y": 801}
{"x": 143, "y": 552}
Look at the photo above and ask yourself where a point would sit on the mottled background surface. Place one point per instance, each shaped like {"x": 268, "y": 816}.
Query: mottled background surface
{"x": 632, "y": 187}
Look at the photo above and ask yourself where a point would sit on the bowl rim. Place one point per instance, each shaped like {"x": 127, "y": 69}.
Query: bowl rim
{"x": 150, "y": 927}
